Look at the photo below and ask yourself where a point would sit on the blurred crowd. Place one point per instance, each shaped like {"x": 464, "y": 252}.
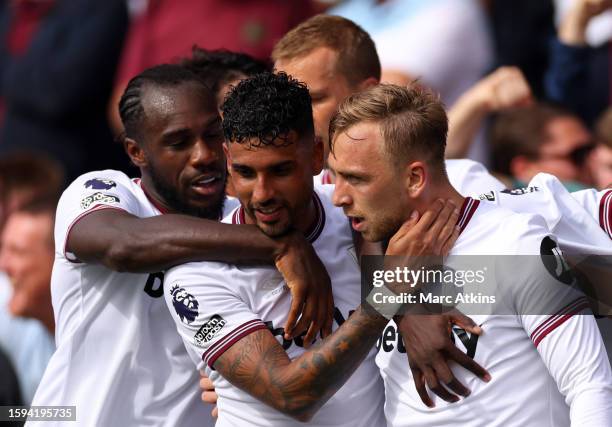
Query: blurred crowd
{"x": 526, "y": 84}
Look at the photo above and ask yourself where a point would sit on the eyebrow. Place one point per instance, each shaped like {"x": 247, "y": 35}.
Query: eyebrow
{"x": 274, "y": 166}
{"x": 176, "y": 133}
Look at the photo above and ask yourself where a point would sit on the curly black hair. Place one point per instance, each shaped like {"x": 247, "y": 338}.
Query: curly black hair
{"x": 220, "y": 66}
{"x": 266, "y": 108}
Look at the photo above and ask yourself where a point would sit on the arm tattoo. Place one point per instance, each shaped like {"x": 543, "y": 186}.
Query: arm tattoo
{"x": 258, "y": 365}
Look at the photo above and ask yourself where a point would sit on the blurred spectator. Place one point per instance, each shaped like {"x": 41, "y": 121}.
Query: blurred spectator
{"x": 600, "y": 161}
{"x": 26, "y": 256}
{"x": 503, "y": 89}
{"x": 25, "y": 179}
{"x": 579, "y": 75}
{"x": 542, "y": 138}
{"x": 445, "y": 43}
{"x": 26, "y": 312}
{"x": 164, "y": 30}
{"x": 521, "y": 32}
{"x": 57, "y": 64}
{"x": 220, "y": 69}
{"x": 599, "y": 28}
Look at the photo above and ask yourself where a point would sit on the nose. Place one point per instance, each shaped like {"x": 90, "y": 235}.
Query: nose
{"x": 341, "y": 197}
{"x": 262, "y": 191}
{"x": 202, "y": 154}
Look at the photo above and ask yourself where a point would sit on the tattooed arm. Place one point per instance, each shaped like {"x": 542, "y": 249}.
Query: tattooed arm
{"x": 259, "y": 365}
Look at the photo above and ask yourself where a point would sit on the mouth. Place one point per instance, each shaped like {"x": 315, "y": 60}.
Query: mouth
{"x": 208, "y": 185}
{"x": 357, "y": 223}
{"x": 268, "y": 215}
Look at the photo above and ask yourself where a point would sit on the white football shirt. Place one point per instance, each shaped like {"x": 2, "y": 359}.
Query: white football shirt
{"x": 215, "y": 305}
{"x": 118, "y": 358}
{"x": 579, "y": 220}
{"x": 547, "y": 370}
{"x": 599, "y": 205}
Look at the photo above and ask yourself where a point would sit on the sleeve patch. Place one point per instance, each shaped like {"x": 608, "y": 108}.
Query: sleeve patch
{"x": 209, "y": 329}
{"x": 100, "y": 184}
{"x": 98, "y": 198}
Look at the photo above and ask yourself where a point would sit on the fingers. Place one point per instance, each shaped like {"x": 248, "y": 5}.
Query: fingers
{"x": 298, "y": 297}
{"x": 316, "y": 325}
{"x": 308, "y": 316}
{"x": 434, "y": 385}
{"x": 465, "y": 322}
{"x": 206, "y": 383}
{"x": 450, "y": 242}
{"x": 215, "y": 412}
{"x": 429, "y": 216}
{"x": 468, "y": 363}
{"x": 445, "y": 375}
{"x": 404, "y": 230}
{"x": 209, "y": 397}
{"x": 443, "y": 227}
{"x": 419, "y": 383}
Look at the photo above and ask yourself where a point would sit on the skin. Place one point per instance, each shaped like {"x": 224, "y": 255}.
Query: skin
{"x": 327, "y": 86}
{"x": 562, "y": 136}
{"x": 600, "y": 164}
{"x": 257, "y": 363}
{"x": 374, "y": 193}
{"x": 27, "y": 258}
{"x": 274, "y": 188}
{"x": 178, "y": 146}
{"x": 364, "y": 173}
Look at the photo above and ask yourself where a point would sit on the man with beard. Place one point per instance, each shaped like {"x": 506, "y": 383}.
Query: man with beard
{"x": 118, "y": 358}
{"x": 387, "y": 150}
{"x": 236, "y": 334}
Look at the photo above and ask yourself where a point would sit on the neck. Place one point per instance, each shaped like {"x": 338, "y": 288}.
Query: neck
{"x": 146, "y": 183}
{"x": 442, "y": 190}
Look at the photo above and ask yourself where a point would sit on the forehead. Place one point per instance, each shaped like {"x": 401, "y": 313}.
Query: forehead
{"x": 165, "y": 105}
{"x": 359, "y": 149}
{"x": 268, "y": 155}
{"x": 565, "y": 132}
{"x": 25, "y": 228}
{"x": 317, "y": 68}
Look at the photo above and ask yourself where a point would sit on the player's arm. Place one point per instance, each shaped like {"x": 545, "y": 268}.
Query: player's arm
{"x": 574, "y": 353}
{"x": 557, "y": 318}
{"x": 124, "y": 242}
{"x": 260, "y": 366}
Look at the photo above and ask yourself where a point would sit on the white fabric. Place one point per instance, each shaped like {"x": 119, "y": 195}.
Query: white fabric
{"x": 546, "y": 369}
{"x": 580, "y": 220}
{"x": 118, "y": 358}
{"x": 227, "y": 302}
{"x": 470, "y": 177}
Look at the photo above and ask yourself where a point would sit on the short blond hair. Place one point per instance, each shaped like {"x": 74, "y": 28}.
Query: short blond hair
{"x": 412, "y": 121}
{"x": 357, "y": 56}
